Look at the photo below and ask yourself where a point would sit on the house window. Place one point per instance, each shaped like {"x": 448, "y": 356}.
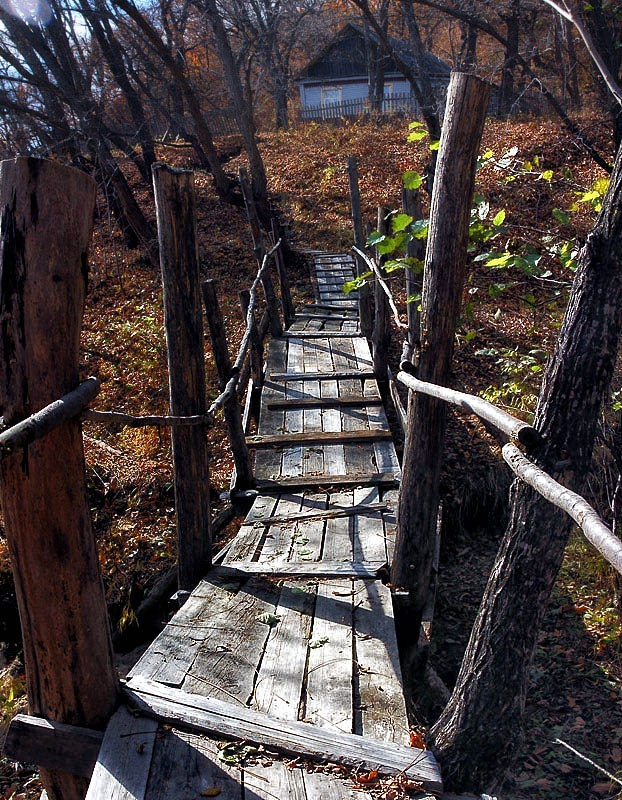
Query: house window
{"x": 331, "y": 95}
{"x": 388, "y": 89}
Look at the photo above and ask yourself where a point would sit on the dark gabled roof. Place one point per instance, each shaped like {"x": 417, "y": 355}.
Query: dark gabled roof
{"x": 433, "y": 64}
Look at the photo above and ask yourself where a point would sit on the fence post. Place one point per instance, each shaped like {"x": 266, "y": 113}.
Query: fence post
{"x": 45, "y": 228}
{"x": 411, "y": 205}
{"x": 289, "y": 312}
{"x": 231, "y": 408}
{"x": 364, "y": 294}
{"x": 443, "y": 283}
{"x": 381, "y": 335}
{"x": 183, "y": 323}
{"x": 256, "y": 348}
{"x": 272, "y": 303}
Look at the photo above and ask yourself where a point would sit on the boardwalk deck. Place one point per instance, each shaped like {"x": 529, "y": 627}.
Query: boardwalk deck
{"x": 294, "y": 643}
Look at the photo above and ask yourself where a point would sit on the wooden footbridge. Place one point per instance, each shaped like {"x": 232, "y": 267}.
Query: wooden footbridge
{"x": 290, "y": 643}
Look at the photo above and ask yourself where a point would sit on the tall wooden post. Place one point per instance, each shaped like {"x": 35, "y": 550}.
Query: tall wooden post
{"x": 45, "y": 230}
{"x": 272, "y": 303}
{"x": 443, "y": 283}
{"x": 381, "y": 335}
{"x": 365, "y": 299}
{"x": 183, "y": 323}
{"x": 241, "y": 457}
{"x": 411, "y": 205}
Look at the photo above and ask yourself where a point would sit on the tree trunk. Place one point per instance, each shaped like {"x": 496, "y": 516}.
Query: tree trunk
{"x": 510, "y": 60}
{"x": 411, "y": 205}
{"x": 183, "y": 322}
{"x": 47, "y": 218}
{"x": 477, "y": 732}
{"x": 443, "y": 281}
{"x": 243, "y": 112}
{"x": 365, "y": 302}
{"x": 280, "y": 106}
{"x": 381, "y": 333}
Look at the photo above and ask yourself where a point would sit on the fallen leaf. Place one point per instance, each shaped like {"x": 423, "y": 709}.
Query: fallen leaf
{"x": 417, "y": 740}
{"x": 370, "y": 777}
{"x": 213, "y": 792}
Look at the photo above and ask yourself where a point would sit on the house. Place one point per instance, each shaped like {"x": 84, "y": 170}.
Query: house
{"x": 336, "y": 82}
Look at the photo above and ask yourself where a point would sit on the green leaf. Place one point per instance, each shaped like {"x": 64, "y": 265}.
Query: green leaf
{"x": 470, "y": 335}
{"x": 386, "y": 246}
{"x": 587, "y": 197}
{"x": 315, "y": 643}
{"x": 561, "y": 216}
{"x": 412, "y": 180}
{"x": 601, "y": 186}
{"x": 415, "y": 124}
{"x": 499, "y": 218}
{"x": 400, "y": 222}
{"x": 416, "y": 136}
{"x": 268, "y": 619}
{"x": 419, "y": 228}
{"x": 499, "y": 261}
{"x": 547, "y": 175}
{"x": 374, "y": 238}
{"x": 488, "y": 155}
{"x": 435, "y": 145}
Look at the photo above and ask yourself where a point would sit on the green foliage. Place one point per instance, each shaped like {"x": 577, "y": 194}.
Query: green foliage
{"x": 522, "y": 370}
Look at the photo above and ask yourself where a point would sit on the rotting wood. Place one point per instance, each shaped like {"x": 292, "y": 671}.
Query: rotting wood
{"x": 45, "y": 229}
{"x": 41, "y": 422}
{"x": 325, "y": 334}
{"x": 183, "y": 322}
{"x": 231, "y": 408}
{"x": 516, "y": 429}
{"x": 311, "y": 569}
{"x": 207, "y": 715}
{"x": 594, "y": 529}
{"x": 326, "y": 402}
{"x": 322, "y": 376}
{"x": 317, "y": 437}
{"x": 329, "y": 513}
{"x": 53, "y": 745}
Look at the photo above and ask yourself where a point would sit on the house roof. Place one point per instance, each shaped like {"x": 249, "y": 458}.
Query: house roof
{"x": 433, "y": 64}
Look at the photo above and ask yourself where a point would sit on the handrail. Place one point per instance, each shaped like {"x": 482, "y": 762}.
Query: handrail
{"x": 587, "y": 518}
{"x": 516, "y": 429}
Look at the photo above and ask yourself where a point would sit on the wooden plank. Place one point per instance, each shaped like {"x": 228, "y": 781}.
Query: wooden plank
{"x": 185, "y": 765}
{"x": 245, "y": 545}
{"x": 122, "y": 768}
{"x": 318, "y": 437}
{"x": 312, "y": 569}
{"x": 326, "y": 402}
{"x": 53, "y": 745}
{"x": 268, "y": 462}
{"x": 320, "y": 334}
{"x": 331, "y": 512}
{"x": 378, "y": 680}
{"x": 323, "y": 481}
{"x": 367, "y": 529}
{"x": 208, "y": 715}
{"x": 340, "y": 306}
{"x": 321, "y": 376}
{"x": 313, "y": 457}
{"x": 293, "y": 421}
{"x": 341, "y": 317}
{"x": 234, "y": 640}
{"x": 277, "y": 545}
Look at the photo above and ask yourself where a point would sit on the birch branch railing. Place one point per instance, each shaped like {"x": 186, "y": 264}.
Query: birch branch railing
{"x": 587, "y": 518}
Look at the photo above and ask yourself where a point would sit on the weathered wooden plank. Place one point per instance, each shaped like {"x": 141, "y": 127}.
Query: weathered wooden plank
{"x": 53, "y": 745}
{"x": 209, "y": 715}
{"x": 340, "y": 306}
{"x": 235, "y": 637}
{"x": 293, "y": 421}
{"x": 267, "y": 462}
{"x": 387, "y": 479}
{"x": 320, "y": 376}
{"x": 245, "y": 545}
{"x": 329, "y": 677}
{"x": 320, "y": 334}
{"x": 185, "y": 765}
{"x": 325, "y": 316}
{"x": 318, "y": 437}
{"x": 122, "y": 768}
{"x": 331, "y": 512}
{"x": 299, "y": 569}
{"x": 326, "y": 402}
{"x": 279, "y": 684}
{"x": 378, "y": 678}
{"x": 368, "y": 529}
{"x": 278, "y": 542}
{"x": 313, "y": 457}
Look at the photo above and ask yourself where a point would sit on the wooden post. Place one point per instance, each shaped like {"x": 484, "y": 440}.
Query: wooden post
{"x": 381, "y": 335}
{"x": 276, "y": 329}
{"x": 45, "y": 229}
{"x": 289, "y": 312}
{"x": 183, "y": 323}
{"x": 366, "y": 312}
{"x": 242, "y": 460}
{"x": 256, "y": 347}
{"x": 443, "y": 282}
{"x": 411, "y": 205}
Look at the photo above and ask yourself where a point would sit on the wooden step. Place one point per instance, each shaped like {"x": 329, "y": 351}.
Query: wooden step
{"x": 317, "y": 437}
{"x": 321, "y": 376}
{"x": 384, "y": 480}
{"x": 326, "y": 402}
{"x": 300, "y": 569}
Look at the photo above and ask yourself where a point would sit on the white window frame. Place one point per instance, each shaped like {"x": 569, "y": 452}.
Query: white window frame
{"x": 391, "y": 86}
